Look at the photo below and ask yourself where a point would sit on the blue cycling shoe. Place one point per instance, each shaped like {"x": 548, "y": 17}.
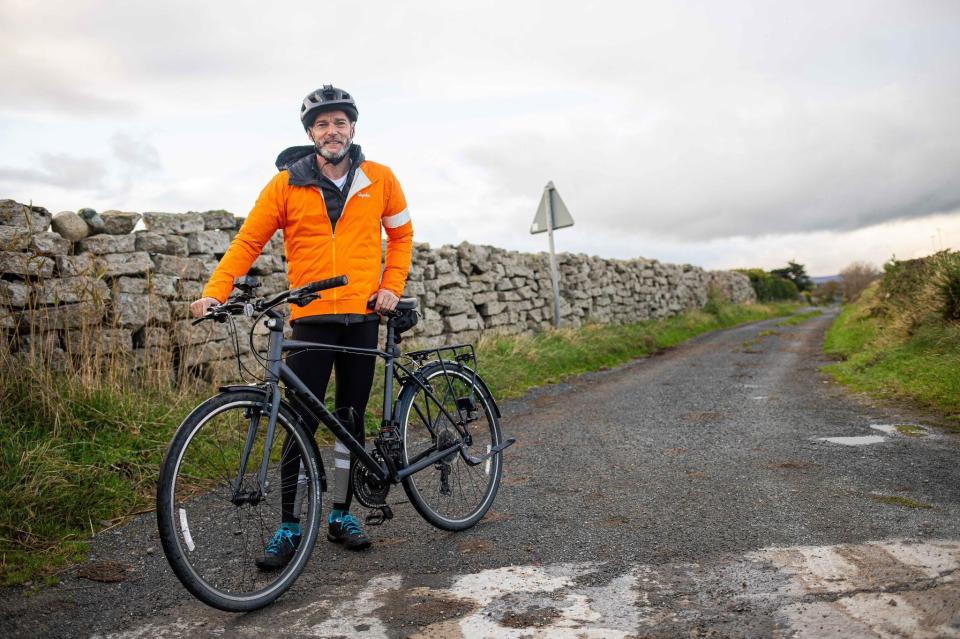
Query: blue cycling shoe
{"x": 280, "y": 550}
{"x": 345, "y": 529}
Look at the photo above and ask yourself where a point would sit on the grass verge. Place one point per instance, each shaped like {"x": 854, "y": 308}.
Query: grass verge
{"x": 880, "y": 357}
{"x": 78, "y": 455}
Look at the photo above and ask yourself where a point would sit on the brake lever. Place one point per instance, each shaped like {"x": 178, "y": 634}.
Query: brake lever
{"x": 303, "y": 300}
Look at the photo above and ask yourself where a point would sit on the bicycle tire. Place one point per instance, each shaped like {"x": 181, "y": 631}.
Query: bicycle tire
{"x": 422, "y": 425}
{"x": 211, "y": 542}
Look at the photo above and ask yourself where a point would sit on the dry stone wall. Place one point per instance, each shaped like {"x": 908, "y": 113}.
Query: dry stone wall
{"x": 81, "y": 282}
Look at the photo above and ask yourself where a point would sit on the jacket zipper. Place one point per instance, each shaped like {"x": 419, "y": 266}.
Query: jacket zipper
{"x": 333, "y": 243}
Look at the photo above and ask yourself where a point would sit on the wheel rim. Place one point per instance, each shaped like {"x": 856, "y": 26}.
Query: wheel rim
{"x": 453, "y": 490}
{"x": 217, "y": 539}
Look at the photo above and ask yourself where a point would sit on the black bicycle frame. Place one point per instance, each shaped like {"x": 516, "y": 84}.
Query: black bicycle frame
{"x": 277, "y": 370}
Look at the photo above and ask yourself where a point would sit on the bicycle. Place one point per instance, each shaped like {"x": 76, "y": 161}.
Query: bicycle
{"x": 218, "y": 500}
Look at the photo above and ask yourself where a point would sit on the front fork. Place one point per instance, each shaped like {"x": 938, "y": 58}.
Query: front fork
{"x": 270, "y": 407}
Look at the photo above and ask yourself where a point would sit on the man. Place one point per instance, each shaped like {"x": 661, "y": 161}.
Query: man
{"x": 331, "y": 204}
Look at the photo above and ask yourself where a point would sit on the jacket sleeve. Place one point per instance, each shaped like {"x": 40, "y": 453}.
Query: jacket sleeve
{"x": 263, "y": 221}
{"x": 396, "y": 222}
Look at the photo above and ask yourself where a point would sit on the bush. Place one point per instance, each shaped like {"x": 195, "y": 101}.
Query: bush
{"x": 770, "y": 288}
{"x": 856, "y": 277}
{"x": 920, "y": 291}
{"x": 948, "y": 282}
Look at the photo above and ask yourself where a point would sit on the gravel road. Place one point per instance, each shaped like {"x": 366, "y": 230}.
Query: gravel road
{"x": 722, "y": 488}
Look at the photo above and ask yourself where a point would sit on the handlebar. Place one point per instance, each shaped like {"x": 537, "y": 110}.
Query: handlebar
{"x": 240, "y": 304}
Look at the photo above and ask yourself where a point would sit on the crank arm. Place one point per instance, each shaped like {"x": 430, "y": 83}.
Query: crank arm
{"x": 473, "y": 461}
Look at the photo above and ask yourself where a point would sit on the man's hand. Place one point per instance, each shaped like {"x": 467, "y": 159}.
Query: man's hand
{"x": 200, "y": 307}
{"x": 383, "y": 300}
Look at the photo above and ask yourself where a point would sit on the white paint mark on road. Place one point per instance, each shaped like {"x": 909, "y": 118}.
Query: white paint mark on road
{"x": 876, "y": 590}
{"x": 910, "y": 589}
{"x": 356, "y": 617}
{"x": 543, "y": 601}
{"x": 863, "y": 440}
{"x": 889, "y": 429}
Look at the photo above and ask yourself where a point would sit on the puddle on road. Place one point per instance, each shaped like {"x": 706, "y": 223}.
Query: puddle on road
{"x": 854, "y": 441}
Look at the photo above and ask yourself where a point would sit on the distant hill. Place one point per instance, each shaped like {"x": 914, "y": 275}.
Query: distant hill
{"x": 825, "y": 278}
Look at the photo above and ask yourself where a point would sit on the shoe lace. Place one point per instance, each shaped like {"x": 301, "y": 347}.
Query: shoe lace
{"x": 350, "y": 525}
{"x": 278, "y": 538}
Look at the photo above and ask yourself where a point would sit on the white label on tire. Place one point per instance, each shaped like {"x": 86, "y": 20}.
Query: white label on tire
{"x": 185, "y": 530}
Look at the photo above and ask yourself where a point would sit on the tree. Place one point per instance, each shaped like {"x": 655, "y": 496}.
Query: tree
{"x": 797, "y": 274}
{"x": 855, "y": 277}
{"x": 827, "y": 292}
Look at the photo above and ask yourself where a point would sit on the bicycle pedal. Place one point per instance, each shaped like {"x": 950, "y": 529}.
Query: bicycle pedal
{"x": 379, "y": 515}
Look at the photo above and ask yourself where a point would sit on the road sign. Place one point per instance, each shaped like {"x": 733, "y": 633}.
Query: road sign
{"x": 550, "y": 202}
{"x": 552, "y": 214}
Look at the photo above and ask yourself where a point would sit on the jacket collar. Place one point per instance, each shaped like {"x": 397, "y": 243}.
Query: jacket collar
{"x": 301, "y": 163}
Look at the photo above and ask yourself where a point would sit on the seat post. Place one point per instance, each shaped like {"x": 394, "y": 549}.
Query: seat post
{"x": 390, "y": 347}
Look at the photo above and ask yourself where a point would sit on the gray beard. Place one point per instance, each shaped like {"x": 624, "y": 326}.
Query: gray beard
{"x": 334, "y": 158}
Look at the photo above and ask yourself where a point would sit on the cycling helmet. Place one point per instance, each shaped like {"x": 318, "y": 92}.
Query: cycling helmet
{"x": 328, "y": 98}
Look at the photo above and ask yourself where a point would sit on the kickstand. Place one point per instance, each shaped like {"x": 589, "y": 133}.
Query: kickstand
{"x": 379, "y": 515}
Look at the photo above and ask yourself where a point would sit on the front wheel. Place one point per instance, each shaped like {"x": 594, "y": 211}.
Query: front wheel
{"x": 213, "y": 529}
{"x": 452, "y": 494}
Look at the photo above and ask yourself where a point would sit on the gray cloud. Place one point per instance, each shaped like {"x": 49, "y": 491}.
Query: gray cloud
{"x": 61, "y": 170}
{"x": 135, "y": 154}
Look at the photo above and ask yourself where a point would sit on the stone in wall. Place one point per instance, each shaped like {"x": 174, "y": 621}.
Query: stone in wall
{"x": 186, "y": 267}
{"x": 25, "y": 264}
{"x": 119, "y": 222}
{"x": 150, "y": 241}
{"x": 134, "y": 311}
{"x": 102, "y": 244}
{"x": 70, "y": 290}
{"x": 212, "y": 241}
{"x": 114, "y": 264}
{"x": 14, "y": 238}
{"x": 177, "y": 245}
{"x": 62, "y": 316}
{"x": 70, "y": 226}
{"x": 33, "y": 218}
{"x": 94, "y": 222}
{"x": 67, "y": 265}
{"x": 49, "y": 244}
{"x": 175, "y": 223}
{"x": 218, "y": 219}
{"x": 14, "y": 294}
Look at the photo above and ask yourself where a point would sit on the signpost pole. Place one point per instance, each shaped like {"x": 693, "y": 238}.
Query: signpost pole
{"x": 554, "y": 275}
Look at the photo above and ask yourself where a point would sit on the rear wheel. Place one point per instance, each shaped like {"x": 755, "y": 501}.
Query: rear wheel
{"x": 452, "y": 494}
{"x": 212, "y": 530}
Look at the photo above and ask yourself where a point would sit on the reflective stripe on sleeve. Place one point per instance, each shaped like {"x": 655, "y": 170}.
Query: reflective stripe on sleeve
{"x": 397, "y": 219}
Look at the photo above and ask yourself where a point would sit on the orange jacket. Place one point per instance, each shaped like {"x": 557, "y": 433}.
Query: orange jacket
{"x": 315, "y": 252}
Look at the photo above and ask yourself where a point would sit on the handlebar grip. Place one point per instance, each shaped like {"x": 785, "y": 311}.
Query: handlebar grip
{"x": 321, "y": 285}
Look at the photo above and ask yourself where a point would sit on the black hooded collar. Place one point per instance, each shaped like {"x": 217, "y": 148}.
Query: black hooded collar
{"x": 301, "y": 163}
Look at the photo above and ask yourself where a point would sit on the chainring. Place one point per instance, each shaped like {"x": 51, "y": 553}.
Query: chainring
{"x": 369, "y": 491}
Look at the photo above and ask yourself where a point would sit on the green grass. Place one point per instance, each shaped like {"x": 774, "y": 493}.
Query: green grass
{"x": 903, "y": 502}
{"x": 73, "y": 464}
{"x": 81, "y": 453}
{"x": 911, "y": 430}
{"x": 921, "y": 365}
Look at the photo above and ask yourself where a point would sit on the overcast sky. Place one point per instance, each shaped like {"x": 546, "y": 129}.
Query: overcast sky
{"x": 722, "y": 134}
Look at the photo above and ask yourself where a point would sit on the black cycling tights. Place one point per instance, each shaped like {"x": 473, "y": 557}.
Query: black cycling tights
{"x": 354, "y": 375}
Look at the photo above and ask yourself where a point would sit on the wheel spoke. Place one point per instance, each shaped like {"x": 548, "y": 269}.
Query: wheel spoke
{"x": 199, "y": 475}
{"x": 469, "y": 491}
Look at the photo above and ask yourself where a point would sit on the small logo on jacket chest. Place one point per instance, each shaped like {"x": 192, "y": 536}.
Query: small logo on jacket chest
{"x": 363, "y": 195}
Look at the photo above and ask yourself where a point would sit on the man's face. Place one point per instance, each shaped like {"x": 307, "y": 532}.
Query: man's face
{"x": 332, "y": 133}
